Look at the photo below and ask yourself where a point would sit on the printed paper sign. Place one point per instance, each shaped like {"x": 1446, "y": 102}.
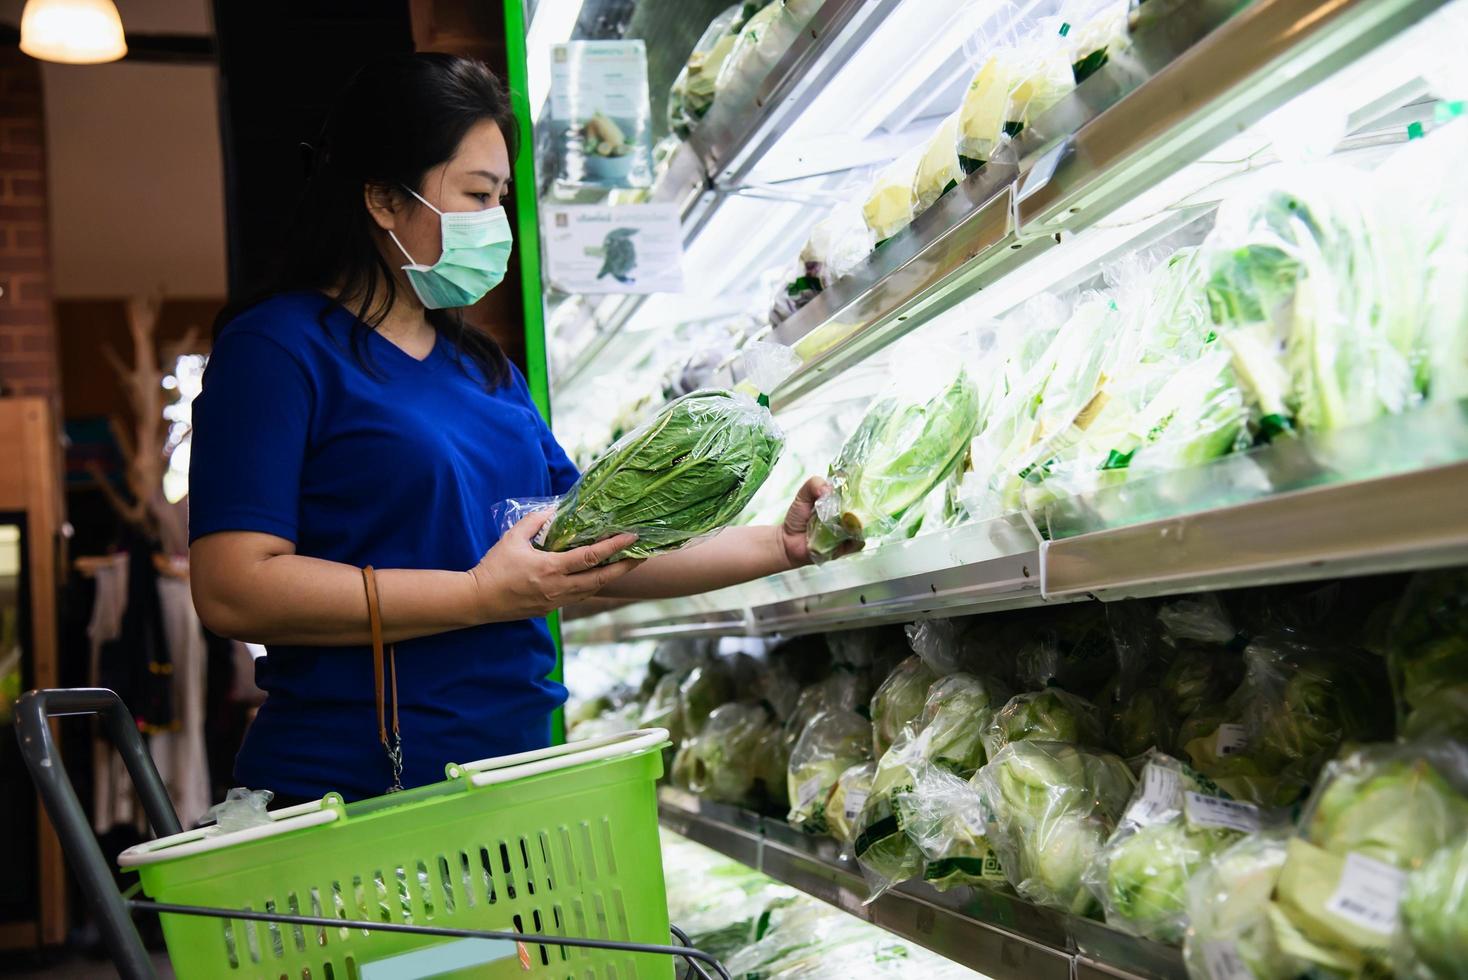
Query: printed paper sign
{"x": 1368, "y": 893}
{"x": 600, "y": 108}
{"x": 1212, "y": 811}
{"x": 627, "y": 248}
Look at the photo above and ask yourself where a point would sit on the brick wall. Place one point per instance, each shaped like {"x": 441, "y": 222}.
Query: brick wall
{"x": 28, "y": 364}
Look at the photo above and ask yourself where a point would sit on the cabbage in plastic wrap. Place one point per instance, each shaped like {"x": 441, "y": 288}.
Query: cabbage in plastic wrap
{"x": 687, "y": 472}
{"x": 1051, "y": 715}
{"x": 847, "y": 800}
{"x": 722, "y": 762}
{"x": 1231, "y": 929}
{"x": 945, "y": 819}
{"x": 832, "y": 742}
{"x": 899, "y": 702}
{"x": 891, "y": 202}
{"x": 954, "y": 718}
{"x": 938, "y": 170}
{"x": 1432, "y": 939}
{"x": 1053, "y": 808}
{"x": 1428, "y": 652}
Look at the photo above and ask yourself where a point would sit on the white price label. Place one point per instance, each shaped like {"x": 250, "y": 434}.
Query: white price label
{"x": 1223, "y": 961}
{"x": 1368, "y": 893}
{"x": 1211, "y": 811}
{"x": 855, "y": 800}
{"x": 1159, "y": 799}
{"x": 807, "y": 792}
{"x": 1231, "y": 739}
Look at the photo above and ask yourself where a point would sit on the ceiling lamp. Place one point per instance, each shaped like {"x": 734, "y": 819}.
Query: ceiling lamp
{"x": 73, "y": 32}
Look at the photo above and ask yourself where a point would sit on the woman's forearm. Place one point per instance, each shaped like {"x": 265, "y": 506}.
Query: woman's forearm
{"x": 734, "y": 555}
{"x": 291, "y": 599}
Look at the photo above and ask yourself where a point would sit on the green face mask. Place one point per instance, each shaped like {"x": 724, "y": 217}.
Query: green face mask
{"x": 476, "y": 250}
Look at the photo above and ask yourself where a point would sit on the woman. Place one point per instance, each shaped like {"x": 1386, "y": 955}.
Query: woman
{"x": 347, "y": 419}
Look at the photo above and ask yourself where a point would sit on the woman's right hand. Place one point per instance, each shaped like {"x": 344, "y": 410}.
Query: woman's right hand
{"x": 516, "y": 580}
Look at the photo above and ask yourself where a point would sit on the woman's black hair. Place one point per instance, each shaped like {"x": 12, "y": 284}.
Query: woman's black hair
{"x": 429, "y": 102}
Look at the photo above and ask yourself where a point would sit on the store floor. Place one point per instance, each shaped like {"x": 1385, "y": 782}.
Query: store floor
{"x": 68, "y": 966}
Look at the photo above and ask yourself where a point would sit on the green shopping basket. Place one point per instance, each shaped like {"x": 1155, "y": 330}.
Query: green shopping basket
{"x": 543, "y": 864}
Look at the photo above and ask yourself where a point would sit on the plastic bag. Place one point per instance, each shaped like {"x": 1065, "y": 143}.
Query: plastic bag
{"x": 705, "y": 688}
{"x": 1293, "y": 709}
{"x": 1051, "y": 715}
{"x": 242, "y": 809}
{"x": 1176, "y": 820}
{"x": 684, "y": 474}
{"x": 1200, "y": 619}
{"x": 843, "y": 690}
{"x": 693, "y": 90}
{"x": 909, "y": 441}
{"x": 1230, "y": 927}
{"x": 946, "y": 822}
{"x": 1094, "y": 31}
{"x": 890, "y": 202}
{"x": 881, "y": 846}
{"x": 982, "y": 116}
{"x": 955, "y": 715}
{"x": 845, "y": 806}
{"x": 832, "y": 742}
{"x": 1140, "y": 721}
{"x": 1053, "y": 808}
{"x": 1432, "y": 935}
{"x": 938, "y": 170}
{"x": 1377, "y": 813}
{"x": 1428, "y": 651}
{"x": 1042, "y": 76}
{"x": 837, "y": 244}
{"x": 763, "y": 39}
{"x": 721, "y": 762}
{"x": 899, "y": 702}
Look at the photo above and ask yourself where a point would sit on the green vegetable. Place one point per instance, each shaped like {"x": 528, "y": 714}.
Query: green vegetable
{"x": 688, "y": 471}
{"x": 704, "y": 689}
{"x": 904, "y": 446}
{"x": 1433, "y": 941}
{"x": 1428, "y": 649}
{"x": 832, "y": 743}
{"x": 847, "y": 800}
{"x": 1141, "y": 721}
{"x": 1051, "y": 715}
{"x": 722, "y": 761}
{"x": 899, "y": 702}
{"x": 883, "y": 849}
{"x": 1229, "y": 910}
{"x": 953, "y": 720}
{"x": 1054, "y": 806}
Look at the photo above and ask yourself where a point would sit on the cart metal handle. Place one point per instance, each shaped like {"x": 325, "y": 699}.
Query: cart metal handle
{"x": 33, "y": 713}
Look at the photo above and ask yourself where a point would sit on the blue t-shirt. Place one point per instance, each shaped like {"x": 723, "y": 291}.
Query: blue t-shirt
{"x": 395, "y": 465}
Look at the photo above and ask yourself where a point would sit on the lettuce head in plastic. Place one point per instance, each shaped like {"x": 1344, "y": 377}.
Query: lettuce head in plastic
{"x": 1428, "y": 648}
{"x": 1051, "y": 715}
{"x": 722, "y": 761}
{"x": 899, "y": 702}
{"x": 844, "y": 808}
{"x": 833, "y": 742}
{"x": 953, "y": 720}
{"x": 1229, "y": 918}
{"x": 1432, "y": 940}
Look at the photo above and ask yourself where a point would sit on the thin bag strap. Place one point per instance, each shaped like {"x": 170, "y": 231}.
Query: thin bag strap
{"x": 382, "y": 678}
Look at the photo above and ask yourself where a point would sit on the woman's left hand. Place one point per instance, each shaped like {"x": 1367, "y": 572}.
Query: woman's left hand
{"x": 793, "y": 532}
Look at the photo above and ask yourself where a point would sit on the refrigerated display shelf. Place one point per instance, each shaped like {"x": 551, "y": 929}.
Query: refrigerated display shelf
{"x": 1197, "y": 75}
{"x": 1396, "y": 522}
{"x": 1002, "y": 937}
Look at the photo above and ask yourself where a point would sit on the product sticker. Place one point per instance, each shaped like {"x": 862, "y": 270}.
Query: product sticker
{"x": 1213, "y": 811}
{"x": 1159, "y": 798}
{"x": 807, "y": 792}
{"x": 1368, "y": 893}
{"x": 855, "y": 800}
{"x": 1231, "y": 739}
{"x": 1223, "y": 961}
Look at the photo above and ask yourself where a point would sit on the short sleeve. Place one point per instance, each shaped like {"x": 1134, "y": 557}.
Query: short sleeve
{"x": 563, "y": 472}
{"x": 251, "y": 420}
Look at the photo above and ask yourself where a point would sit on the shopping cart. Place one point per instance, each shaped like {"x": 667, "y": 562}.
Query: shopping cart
{"x": 543, "y": 864}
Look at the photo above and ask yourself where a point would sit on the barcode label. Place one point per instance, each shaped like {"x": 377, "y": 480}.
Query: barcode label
{"x": 1368, "y": 893}
{"x": 1211, "y": 811}
{"x": 1223, "y": 961}
{"x": 807, "y": 792}
{"x": 855, "y": 800}
{"x": 1159, "y": 799}
{"x": 1231, "y": 739}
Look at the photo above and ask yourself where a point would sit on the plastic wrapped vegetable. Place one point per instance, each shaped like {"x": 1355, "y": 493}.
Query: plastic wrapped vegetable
{"x": 1094, "y": 30}
{"x": 693, "y": 90}
{"x": 845, "y": 806}
{"x": 1377, "y": 814}
{"x": 758, "y": 43}
{"x": 1200, "y": 676}
{"x": 938, "y": 170}
{"x": 890, "y": 202}
{"x": 1140, "y": 721}
{"x": 882, "y": 847}
{"x": 1054, "y": 806}
{"x": 899, "y": 701}
{"x": 844, "y": 689}
{"x": 908, "y": 442}
{"x": 837, "y": 244}
{"x": 1175, "y": 822}
{"x": 687, "y": 472}
{"x": 771, "y": 770}
{"x": 661, "y": 709}
{"x": 1432, "y": 939}
{"x": 1051, "y": 715}
{"x": 1042, "y": 77}
{"x": 1428, "y": 651}
{"x": 705, "y": 688}
{"x": 722, "y": 761}
{"x": 954, "y": 718}
{"x": 981, "y": 118}
{"x": 1231, "y": 930}
{"x": 945, "y": 819}
{"x": 1197, "y": 619}
{"x": 833, "y": 742}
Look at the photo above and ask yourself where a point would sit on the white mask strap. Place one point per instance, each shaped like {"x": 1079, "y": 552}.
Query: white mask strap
{"x": 420, "y": 197}
{"x": 400, "y": 244}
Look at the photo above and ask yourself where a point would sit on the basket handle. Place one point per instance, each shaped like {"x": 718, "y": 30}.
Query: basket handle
{"x": 33, "y": 713}
{"x": 505, "y": 768}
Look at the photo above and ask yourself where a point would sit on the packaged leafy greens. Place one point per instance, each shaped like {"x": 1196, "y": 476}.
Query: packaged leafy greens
{"x": 891, "y": 201}
{"x": 1176, "y": 820}
{"x": 1231, "y": 923}
{"x": 685, "y": 473}
{"x": 1378, "y": 813}
{"x": 1053, "y": 808}
{"x": 832, "y": 742}
{"x": 1051, "y": 715}
{"x": 982, "y": 116}
{"x": 845, "y": 806}
{"x": 693, "y": 90}
{"x": 1428, "y": 652}
{"x": 945, "y": 819}
{"x": 899, "y": 702}
{"x": 882, "y": 846}
{"x": 722, "y": 762}
{"x": 1042, "y": 77}
{"x": 1432, "y": 936}
{"x": 1093, "y": 31}
{"x": 953, "y": 721}
{"x": 938, "y": 170}
{"x": 910, "y": 440}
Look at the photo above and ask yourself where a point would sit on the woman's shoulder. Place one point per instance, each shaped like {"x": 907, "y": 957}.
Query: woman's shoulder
{"x": 293, "y": 321}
